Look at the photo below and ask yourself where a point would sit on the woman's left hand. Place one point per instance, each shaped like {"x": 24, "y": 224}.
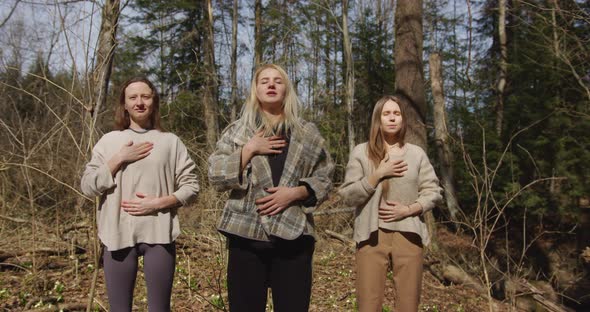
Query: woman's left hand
{"x": 144, "y": 205}
{"x": 280, "y": 198}
{"x": 394, "y": 211}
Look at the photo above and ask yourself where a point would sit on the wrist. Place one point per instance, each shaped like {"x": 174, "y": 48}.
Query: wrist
{"x": 119, "y": 160}
{"x": 303, "y": 194}
{"x": 247, "y": 150}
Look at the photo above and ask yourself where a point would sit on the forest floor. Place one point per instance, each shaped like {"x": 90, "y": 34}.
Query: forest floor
{"x": 60, "y": 275}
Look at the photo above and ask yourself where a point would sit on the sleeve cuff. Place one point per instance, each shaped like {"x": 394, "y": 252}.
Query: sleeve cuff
{"x": 311, "y": 199}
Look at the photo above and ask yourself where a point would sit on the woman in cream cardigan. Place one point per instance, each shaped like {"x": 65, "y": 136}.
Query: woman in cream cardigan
{"x": 392, "y": 184}
{"x": 142, "y": 175}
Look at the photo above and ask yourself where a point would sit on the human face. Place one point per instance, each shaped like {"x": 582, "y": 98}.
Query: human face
{"x": 139, "y": 104}
{"x": 270, "y": 89}
{"x": 391, "y": 120}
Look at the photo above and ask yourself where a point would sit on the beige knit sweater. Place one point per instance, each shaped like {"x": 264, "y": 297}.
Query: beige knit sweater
{"x": 168, "y": 169}
{"x": 419, "y": 184}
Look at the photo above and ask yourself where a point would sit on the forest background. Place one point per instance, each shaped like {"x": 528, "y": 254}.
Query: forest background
{"x": 500, "y": 93}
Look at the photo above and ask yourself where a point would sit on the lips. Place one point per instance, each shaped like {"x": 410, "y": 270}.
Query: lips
{"x": 271, "y": 93}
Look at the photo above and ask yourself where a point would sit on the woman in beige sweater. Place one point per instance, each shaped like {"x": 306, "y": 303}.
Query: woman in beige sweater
{"x": 392, "y": 184}
{"x": 141, "y": 175}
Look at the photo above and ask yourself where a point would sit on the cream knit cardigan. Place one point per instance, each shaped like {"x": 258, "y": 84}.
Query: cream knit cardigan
{"x": 419, "y": 184}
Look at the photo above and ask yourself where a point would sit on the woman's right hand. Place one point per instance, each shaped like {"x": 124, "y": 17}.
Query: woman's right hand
{"x": 389, "y": 168}
{"x": 131, "y": 152}
{"x": 259, "y": 145}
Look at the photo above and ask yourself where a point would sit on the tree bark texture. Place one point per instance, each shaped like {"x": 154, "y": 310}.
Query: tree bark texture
{"x": 409, "y": 74}
{"x": 501, "y": 86}
{"x": 234, "y": 59}
{"x": 348, "y": 76}
{"x": 409, "y": 79}
{"x": 105, "y": 53}
{"x": 441, "y": 135}
{"x": 210, "y": 88}
{"x": 257, "y": 33}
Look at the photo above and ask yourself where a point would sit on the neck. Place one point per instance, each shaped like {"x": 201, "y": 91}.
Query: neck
{"x": 391, "y": 140}
{"x": 274, "y": 115}
{"x": 140, "y": 126}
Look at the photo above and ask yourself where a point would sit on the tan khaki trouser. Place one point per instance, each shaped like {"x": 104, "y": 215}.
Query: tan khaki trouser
{"x": 373, "y": 257}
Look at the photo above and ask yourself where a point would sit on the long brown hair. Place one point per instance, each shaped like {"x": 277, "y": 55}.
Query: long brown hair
{"x": 122, "y": 120}
{"x": 377, "y": 147}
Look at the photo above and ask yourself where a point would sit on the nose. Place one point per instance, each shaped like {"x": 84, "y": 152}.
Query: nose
{"x": 271, "y": 84}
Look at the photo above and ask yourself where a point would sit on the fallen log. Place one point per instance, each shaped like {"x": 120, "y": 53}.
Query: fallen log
{"x": 341, "y": 238}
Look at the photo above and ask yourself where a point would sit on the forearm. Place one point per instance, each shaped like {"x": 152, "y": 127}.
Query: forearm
{"x": 300, "y": 192}
{"x": 414, "y": 209}
{"x": 245, "y": 157}
{"x": 374, "y": 179}
{"x": 114, "y": 164}
{"x": 168, "y": 201}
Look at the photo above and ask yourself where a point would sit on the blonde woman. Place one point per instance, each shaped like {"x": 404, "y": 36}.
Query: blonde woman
{"x": 392, "y": 184}
{"x": 142, "y": 174}
{"x": 277, "y": 170}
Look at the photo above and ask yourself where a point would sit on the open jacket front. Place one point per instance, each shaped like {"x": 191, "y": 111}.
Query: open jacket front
{"x": 308, "y": 161}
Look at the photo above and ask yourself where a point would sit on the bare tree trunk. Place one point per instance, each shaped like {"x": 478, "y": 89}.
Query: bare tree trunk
{"x": 348, "y": 76}
{"x": 234, "y": 59}
{"x": 257, "y": 33}
{"x": 408, "y": 66}
{"x": 501, "y": 86}
{"x": 101, "y": 76}
{"x": 409, "y": 78}
{"x": 210, "y": 91}
{"x": 105, "y": 54}
{"x": 442, "y": 137}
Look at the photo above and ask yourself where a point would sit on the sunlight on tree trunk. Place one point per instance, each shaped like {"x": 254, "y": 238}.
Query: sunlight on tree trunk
{"x": 501, "y": 86}
{"x": 441, "y": 135}
{"x": 348, "y": 76}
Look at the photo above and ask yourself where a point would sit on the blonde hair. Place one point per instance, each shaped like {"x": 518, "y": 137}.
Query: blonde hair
{"x": 252, "y": 112}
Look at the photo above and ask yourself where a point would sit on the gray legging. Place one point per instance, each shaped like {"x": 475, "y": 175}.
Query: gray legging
{"x": 120, "y": 270}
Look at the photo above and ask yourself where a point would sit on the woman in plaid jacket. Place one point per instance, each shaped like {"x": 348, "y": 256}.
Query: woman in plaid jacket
{"x": 277, "y": 170}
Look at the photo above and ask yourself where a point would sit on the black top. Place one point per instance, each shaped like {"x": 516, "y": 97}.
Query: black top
{"x": 277, "y": 165}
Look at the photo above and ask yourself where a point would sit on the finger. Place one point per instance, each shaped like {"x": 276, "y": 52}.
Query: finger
{"x": 260, "y": 133}
{"x": 276, "y": 210}
{"x": 140, "y": 194}
{"x": 271, "y": 210}
{"x": 276, "y": 140}
{"x": 392, "y": 202}
{"x": 272, "y": 189}
{"x": 265, "y": 205}
{"x": 266, "y": 208}
{"x": 263, "y": 200}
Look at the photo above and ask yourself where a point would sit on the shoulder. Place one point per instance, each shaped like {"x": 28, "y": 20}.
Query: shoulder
{"x": 415, "y": 149}
{"x": 167, "y": 135}
{"x": 360, "y": 151}
{"x": 111, "y": 137}
{"x": 233, "y": 127}
{"x": 309, "y": 127}
{"x": 361, "y": 148}
{"x": 309, "y": 132}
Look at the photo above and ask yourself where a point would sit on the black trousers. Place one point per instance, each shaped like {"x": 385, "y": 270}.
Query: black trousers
{"x": 283, "y": 265}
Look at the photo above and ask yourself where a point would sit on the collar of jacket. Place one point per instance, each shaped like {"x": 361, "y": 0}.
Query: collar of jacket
{"x": 305, "y": 147}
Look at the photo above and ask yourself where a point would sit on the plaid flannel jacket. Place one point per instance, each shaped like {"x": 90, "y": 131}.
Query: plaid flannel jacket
{"x": 308, "y": 161}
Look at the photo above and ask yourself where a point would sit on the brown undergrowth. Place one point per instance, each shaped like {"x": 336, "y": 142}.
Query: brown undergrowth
{"x": 62, "y": 275}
